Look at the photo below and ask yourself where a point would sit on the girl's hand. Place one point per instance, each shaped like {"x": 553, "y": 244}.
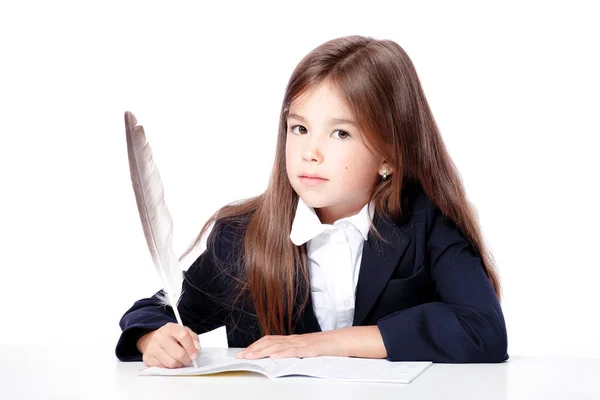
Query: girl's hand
{"x": 329, "y": 343}
{"x": 171, "y": 346}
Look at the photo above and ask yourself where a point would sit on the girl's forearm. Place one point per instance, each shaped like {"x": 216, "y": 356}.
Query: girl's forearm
{"x": 363, "y": 342}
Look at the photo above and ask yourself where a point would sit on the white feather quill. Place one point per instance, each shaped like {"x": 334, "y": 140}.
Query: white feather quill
{"x": 154, "y": 214}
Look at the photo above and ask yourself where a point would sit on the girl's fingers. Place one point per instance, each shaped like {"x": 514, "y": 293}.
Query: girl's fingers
{"x": 193, "y": 334}
{"x": 265, "y": 342}
{"x": 186, "y": 340}
{"x": 183, "y": 337}
{"x": 254, "y": 347}
{"x": 288, "y": 353}
{"x": 167, "y": 361}
{"x": 300, "y": 352}
{"x": 266, "y": 351}
{"x": 195, "y": 339}
{"x": 151, "y": 361}
{"x": 175, "y": 352}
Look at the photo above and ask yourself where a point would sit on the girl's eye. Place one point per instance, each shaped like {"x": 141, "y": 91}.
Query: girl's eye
{"x": 342, "y": 134}
{"x": 298, "y": 126}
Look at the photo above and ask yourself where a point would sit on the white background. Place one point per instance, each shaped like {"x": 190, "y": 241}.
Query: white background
{"x": 514, "y": 88}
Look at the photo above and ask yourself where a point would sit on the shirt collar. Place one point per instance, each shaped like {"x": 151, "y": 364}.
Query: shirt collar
{"x": 306, "y": 224}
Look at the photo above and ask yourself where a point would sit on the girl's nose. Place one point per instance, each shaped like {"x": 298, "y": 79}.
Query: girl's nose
{"x": 311, "y": 155}
{"x": 312, "y": 151}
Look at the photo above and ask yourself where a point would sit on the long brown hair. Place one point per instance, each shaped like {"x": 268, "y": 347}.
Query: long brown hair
{"x": 381, "y": 88}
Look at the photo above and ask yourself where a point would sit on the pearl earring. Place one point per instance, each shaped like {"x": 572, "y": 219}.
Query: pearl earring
{"x": 385, "y": 174}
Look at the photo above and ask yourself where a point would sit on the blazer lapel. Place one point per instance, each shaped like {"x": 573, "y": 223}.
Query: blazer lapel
{"x": 378, "y": 262}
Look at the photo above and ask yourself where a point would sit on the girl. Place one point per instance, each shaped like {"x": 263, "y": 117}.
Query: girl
{"x": 363, "y": 245}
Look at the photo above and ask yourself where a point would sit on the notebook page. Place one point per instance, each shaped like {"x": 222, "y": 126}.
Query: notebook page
{"x": 209, "y": 364}
{"x": 357, "y": 369}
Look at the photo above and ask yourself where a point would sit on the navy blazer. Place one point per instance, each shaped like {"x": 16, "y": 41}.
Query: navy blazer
{"x": 426, "y": 290}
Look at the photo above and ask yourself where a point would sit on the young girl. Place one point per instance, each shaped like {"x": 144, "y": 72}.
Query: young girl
{"x": 363, "y": 245}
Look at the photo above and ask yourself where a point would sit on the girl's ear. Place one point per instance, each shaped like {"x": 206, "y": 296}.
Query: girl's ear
{"x": 386, "y": 167}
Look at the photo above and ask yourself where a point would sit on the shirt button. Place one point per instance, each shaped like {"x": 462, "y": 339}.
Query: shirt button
{"x": 347, "y": 302}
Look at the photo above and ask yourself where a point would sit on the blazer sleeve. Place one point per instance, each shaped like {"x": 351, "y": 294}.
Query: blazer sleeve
{"x": 197, "y": 307}
{"x": 467, "y": 325}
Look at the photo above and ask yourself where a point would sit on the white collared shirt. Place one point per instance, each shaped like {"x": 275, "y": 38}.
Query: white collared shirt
{"x": 334, "y": 257}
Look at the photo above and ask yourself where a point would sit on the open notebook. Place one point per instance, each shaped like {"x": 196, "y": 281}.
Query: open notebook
{"x": 215, "y": 360}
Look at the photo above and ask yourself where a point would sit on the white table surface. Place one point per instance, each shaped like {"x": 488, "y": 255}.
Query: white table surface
{"x": 64, "y": 372}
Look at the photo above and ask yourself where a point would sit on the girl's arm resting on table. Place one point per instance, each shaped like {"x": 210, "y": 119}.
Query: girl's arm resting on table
{"x": 197, "y": 311}
{"x": 143, "y": 317}
{"x": 467, "y": 325}
{"x": 362, "y": 341}
{"x": 444, "y": 333}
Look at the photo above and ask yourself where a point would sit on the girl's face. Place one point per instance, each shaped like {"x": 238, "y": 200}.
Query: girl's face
{"x": 319, "y": 144}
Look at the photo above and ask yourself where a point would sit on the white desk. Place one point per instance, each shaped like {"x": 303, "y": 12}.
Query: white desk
{"x": 60, "y": 372}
